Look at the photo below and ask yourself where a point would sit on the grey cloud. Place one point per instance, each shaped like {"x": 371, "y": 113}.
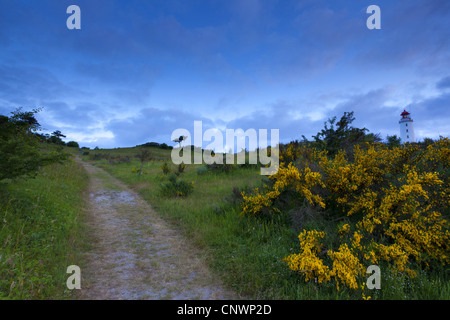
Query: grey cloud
{"x": 444, "y": 83}
{"x": 30, "y": 87}
{"x": 280, "y": 115}
{"x": 413, "y": 34}
{"x": 370, "y": 109}
{"x": 152, "y": 124}
{"x": 33, "y": 82}
{"x": 119, "y": 73}
{"x": 81, "y": 114}
{"x": 431, "y": 115}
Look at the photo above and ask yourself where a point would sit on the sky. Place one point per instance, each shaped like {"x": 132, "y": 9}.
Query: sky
{"x": 137, "y": 70}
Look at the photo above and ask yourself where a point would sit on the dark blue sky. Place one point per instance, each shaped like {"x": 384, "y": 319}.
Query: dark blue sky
{"x": 138, "y": 70}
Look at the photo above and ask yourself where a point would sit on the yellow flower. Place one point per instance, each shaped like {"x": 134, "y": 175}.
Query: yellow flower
{"x": 344, "y": 229}
{"x": 396, "y": 200}
{"x": 366, "y": 298}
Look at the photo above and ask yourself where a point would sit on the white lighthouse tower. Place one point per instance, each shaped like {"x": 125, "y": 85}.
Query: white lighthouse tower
{"x": 406, "y": 128}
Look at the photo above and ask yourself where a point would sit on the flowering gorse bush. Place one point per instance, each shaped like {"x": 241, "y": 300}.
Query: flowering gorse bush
{"x": 395, "y": 202}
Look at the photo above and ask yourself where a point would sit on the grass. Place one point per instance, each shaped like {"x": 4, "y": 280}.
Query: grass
{"x": 41, "y": 233}
{"x": 247, "y": 252}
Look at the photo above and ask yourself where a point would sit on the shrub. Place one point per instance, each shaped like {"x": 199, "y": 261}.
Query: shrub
{"x": 165, "y": 168}
{"x": 119, "y": 159}
{"x": 21, "y": 150}
{"x": 220, "y": 168}
{"x": 143, "y": 156}
{"x": 180, "y": 169}
{"x": 343, "y": 137}
{"x": 100, "y": 156}
{"x": 165, "y": 146}
{"x": 73, "y": 144}
{"x": 236, "y": 198}
{"x": 394, "y": 201}
{"x": 202, "y": 170}
{"x": 151, "y": 144}
{"x": 175, "y": 187}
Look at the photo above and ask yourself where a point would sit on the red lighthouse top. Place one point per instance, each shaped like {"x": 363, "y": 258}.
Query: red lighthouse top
{"x": 404, "y": 114}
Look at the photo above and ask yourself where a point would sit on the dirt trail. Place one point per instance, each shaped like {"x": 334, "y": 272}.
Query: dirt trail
{"x": 136, "y": 255}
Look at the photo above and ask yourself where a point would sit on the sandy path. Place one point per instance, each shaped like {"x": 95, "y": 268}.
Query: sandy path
{"x": 136, "y": 255}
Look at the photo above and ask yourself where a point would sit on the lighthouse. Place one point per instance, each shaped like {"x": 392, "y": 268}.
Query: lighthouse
{"x": 406, "y": 128}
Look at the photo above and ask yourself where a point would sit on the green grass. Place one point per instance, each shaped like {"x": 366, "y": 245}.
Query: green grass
{"x": 41, "y": 233}
{"x": 248, "y": 252}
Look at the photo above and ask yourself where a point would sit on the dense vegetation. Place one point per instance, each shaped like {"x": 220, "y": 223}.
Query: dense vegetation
{"x": 41, "y": 232}
{"x": 41, "y": 199}
{"x": 22, "y": 151}
{"x": 351, "y": 200}
{"x": 385, "y": 206}
{"x": 358, "y": 202}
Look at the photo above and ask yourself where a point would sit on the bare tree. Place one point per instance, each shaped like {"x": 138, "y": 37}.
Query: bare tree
{"x": 143, "y": 156}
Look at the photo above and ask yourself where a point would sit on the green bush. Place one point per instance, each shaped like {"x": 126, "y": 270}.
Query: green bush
{"x": 165, "y": 168}
{"x": 180, "y": 169}
{"x": 202, "y": 170}
{"x": 21, "y": 150}
{"x": 220, "y": 168}
{"x": 73, "y": 144}
{"x": 175, "y": 187}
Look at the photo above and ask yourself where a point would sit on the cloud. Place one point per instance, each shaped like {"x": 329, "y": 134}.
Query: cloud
{"x": 81, "y": 114}
{"x": 370, "y": 109}
{"x": 29, "y": 86}
{"x": 292, "y": 119}
{"x": 118, "y": 73}
{"x": 373, "y": 109}
{"x": 414, "y": 34}
{"x": 431, "y": 116}
{"x": 138, "y": 70}
{"x": 153, "y": 124}
{"x": 444, "y": 83}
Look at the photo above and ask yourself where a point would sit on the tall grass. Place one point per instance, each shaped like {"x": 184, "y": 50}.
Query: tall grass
{"x": 40, "y": 232}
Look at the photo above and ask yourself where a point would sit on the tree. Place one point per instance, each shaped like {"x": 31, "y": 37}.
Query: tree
{"x": 344, "y": 136}
{"x": 427, "y": 141}
{"x": 143, "y": 156}
{"x": 56, "y": 138}
{"x": 393, "y": 141}
{"x": 21, "y": 152}
{"x": 73, "y": 144}
{"x": 58, "y": 134}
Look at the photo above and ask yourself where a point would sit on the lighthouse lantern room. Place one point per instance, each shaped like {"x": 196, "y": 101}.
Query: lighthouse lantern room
{"x": 406, "y": 128}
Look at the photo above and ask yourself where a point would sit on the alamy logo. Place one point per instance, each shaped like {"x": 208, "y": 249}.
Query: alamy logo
{"x": 74, "y": 280}
{"x": 259, "y": 148}
{"x": 374, "y": 281}
{"x": 374, "y": 21}
{"x": 74, "y": 21}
